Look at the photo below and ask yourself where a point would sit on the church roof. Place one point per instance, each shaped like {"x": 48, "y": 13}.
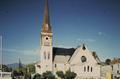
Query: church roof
{"x": 96, "y": 57}
{"x": 63, "y": 51}
{"x": 46, "y": 27}
{"x": 62, "y": 55}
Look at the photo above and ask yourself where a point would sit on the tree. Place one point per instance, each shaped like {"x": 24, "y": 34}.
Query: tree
{"x": 25, "y": 70}
{"x": 48, "y": 75}
{"x": 30, "y": 68}
{"x": 108, "y": 61}
{"x": 60, "y": 74}
{"x": 16, "y": 73}
{"x": 27, "y": 76}
{"x": 6, "y": 68}
{"x": 70, "y": 75}
{"x": 37, "y": 76}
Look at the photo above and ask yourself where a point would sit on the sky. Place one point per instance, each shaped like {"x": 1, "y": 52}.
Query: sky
{"x": 74, "y": 22}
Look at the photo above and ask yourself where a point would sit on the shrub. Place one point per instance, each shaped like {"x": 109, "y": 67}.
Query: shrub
{"x": 70, "y": 75}
{"x": 60, "y": 74}
{"x": 37, "y": 76}
{"x": 48, "y": 75}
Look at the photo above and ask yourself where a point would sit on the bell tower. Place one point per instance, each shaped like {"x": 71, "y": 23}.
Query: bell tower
{"x": 46, "y": 42}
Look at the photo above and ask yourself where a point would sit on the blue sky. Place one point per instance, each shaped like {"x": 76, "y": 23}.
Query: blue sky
{"x": 93, "y": 22}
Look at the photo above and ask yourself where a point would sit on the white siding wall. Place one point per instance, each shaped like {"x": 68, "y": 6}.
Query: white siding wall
{"x": 78, "y": 66}
{"x": 116, "y": 70}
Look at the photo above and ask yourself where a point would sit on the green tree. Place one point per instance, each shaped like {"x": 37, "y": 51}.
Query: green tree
{"x": 25, "y": 70}
{"x": 27, "y": 76}
{"x": 30, "y": 68}
{"x": 5, "y": 68}
{"x": 70, "y": 75}
{"x": 15, "y": 73}
{"x": 60, "y": 74}
{"x": 37, "y": 76}
{"x": 48, "y": 75}
{"x": 108, "y": 61}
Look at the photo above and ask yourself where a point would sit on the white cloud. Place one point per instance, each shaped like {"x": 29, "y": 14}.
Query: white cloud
{"x": 24, "y": 52}
{"x": 63, "y": 46}
{"x": 101, "y": 34}
{"x": 86, "y": 40}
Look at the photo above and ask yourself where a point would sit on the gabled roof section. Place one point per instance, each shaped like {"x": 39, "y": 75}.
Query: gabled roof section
{"x": 63, "y": 51}
{"x": 62, "y": 54}
{"x": 96, "y": 57}
{"x": 83, "y": 48}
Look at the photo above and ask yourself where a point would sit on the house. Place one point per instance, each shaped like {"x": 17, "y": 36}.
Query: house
{"x": 5, "y": 75}
{"x": 116, "y": 71}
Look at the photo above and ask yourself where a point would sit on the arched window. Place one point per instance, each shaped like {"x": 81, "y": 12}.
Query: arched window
{"x": 44, "y": 55}
{"x": 84, "y": 69}
{"x": 88, "y": 68}
{"x": 39, "y": 66}
{"x": 48, "y": 55}
{"x": 91, "y": 69}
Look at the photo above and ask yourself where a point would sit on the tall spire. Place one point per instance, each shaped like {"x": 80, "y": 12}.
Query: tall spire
{"x": 46, "y": 20}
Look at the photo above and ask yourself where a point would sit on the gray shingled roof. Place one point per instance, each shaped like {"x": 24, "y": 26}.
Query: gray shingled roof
{"x": 62, "y": 54}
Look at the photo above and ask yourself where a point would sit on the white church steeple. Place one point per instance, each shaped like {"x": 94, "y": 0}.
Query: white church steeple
{"x": 46, "y": 42}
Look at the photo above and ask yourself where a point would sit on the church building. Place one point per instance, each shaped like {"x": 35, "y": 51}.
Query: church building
{"x": 81, "y": 60}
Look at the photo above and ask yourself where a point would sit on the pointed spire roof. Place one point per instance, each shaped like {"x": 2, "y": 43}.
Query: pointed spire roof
{"x": 46, "y": 20}
{"x": 20, "y": 64}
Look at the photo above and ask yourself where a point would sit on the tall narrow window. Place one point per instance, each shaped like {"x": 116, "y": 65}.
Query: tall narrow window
{"x": 112, "y": 67}
{"x": 44, "y": 55}
{"x": 88, "y": 68}
{"x": 55, "y": 65}
{"x": 48, "y": 55}
{"x": 84, "y": 69}
{"x": 117, "y": 71}
{"x": 91, "y": 69}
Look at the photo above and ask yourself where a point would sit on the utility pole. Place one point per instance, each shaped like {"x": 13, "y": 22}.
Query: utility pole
{"x": 1, "y": 56}
{"x": 1, "y": 52}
